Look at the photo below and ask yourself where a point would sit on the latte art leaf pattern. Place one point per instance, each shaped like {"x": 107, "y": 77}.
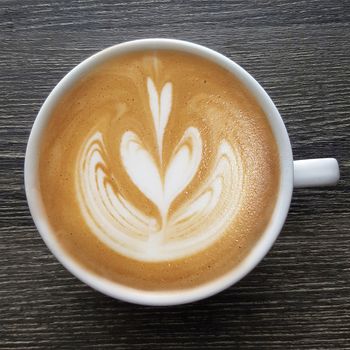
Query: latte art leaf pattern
{"x": 194, "y": 225}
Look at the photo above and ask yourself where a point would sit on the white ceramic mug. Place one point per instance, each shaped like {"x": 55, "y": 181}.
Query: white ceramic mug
{"x": 311, "y": 172}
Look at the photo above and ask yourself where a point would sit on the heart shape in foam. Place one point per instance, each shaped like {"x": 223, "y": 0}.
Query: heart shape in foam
{"x": 143, "y": 170}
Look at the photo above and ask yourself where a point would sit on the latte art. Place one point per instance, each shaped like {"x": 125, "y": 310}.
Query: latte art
{"x": 200, "y": 220}
{"x": 158, "y": 170}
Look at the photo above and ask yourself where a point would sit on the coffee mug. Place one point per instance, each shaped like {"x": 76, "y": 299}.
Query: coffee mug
{"x": 301, "y": 173}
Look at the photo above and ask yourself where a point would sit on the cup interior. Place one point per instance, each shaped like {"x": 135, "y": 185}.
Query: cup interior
{"x": 121, "y": 292}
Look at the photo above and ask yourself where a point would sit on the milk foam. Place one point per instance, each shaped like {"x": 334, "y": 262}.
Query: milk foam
{"x": 194, "y": 225}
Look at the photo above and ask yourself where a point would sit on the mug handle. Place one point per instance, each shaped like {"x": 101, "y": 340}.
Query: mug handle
{"x": 316, "y": 172}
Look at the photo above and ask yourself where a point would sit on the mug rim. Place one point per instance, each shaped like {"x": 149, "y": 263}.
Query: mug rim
{"x": 160, "y": 298}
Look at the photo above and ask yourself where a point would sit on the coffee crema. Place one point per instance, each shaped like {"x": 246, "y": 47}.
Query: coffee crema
{"x": 158, "y": 170}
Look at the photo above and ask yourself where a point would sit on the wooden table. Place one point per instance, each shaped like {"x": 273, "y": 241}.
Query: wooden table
{"x": 299, "y": 296}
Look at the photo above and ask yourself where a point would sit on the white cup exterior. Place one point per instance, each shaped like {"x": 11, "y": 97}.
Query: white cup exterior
{"x": 122, "y": 292}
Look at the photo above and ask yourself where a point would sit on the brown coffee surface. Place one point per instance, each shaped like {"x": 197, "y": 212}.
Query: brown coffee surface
{"x": 158, "y": 170}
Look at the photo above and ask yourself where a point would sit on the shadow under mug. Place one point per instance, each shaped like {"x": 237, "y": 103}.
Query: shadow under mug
{"x": 302, "y": 173}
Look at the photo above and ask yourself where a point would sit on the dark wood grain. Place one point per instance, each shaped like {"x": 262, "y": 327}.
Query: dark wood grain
{"x": 299, "y": 296}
